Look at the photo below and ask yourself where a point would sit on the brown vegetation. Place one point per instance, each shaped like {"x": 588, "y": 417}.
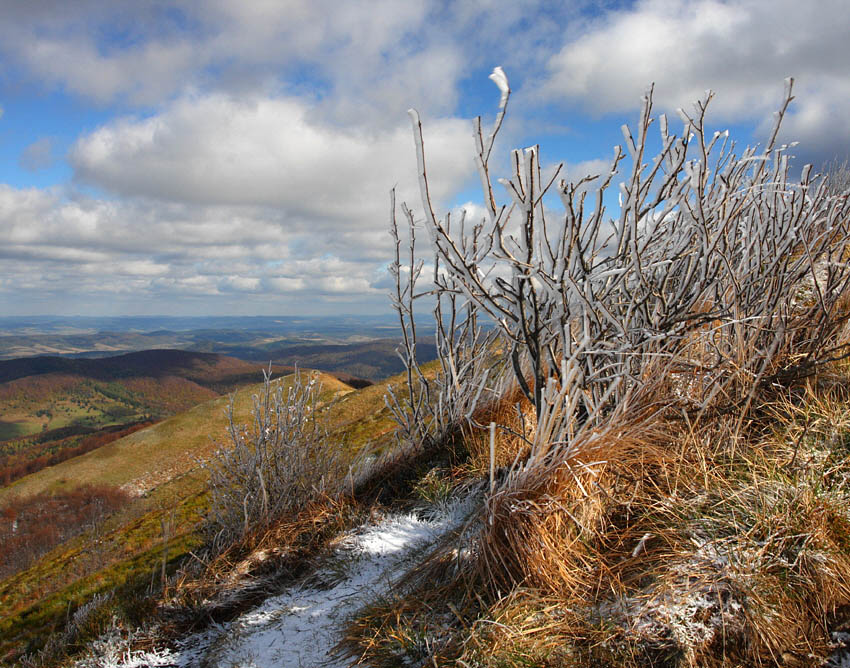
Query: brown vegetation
{"x": 32, "y": 526}
{"x": 18, "y": 465}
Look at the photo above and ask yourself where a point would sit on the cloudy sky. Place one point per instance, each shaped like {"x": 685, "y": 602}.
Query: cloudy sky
{"x": 236, "y": 157}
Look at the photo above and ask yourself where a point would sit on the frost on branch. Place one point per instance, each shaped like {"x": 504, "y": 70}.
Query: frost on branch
{"x": 277, "y": 464}
{"x": 715, "y": 267}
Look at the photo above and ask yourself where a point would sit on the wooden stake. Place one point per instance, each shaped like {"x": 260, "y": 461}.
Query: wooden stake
{"x": 492, "y": 456}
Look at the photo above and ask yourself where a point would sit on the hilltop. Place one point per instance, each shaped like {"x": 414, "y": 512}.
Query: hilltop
{"x": 354, "y": 347}
{"x": 215, "y": 371}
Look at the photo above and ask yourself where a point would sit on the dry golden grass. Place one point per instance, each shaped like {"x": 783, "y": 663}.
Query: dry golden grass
{"x": 672, "y": 540}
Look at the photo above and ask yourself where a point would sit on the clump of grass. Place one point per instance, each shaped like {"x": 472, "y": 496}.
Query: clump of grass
{"x": 435, "y": 487}
{"x": 87, "y": 623}
{"x": 670, "y": 542}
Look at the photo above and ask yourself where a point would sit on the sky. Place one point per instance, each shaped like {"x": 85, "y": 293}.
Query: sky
{"x": 224, "y": 157}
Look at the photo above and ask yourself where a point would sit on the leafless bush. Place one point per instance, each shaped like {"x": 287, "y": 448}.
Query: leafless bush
{"x": 283, "y": 460}
{"x": 715, "y": 268}
{"x": 470, "y": 373}
{"x": 837, "y": 177}
{"x": 87, "y": 622}
{"x": 642, "y": 342}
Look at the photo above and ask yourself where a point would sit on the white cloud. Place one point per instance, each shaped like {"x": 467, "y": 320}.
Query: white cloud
{"x": 215, "y": 149}
{"x": 363, "y": 62}
{"x": 82, "y": 69}
{"x": 372, "y": 56}
{"x": 743, "y": 50}
{"x": 64, "y": 249}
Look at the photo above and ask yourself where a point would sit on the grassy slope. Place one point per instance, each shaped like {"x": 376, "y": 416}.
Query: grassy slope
{"x": 152, "y": 455}
{"x": 735, "y": 493}
{"x": 47, "y": 404}
{"x": 162, "y": 461}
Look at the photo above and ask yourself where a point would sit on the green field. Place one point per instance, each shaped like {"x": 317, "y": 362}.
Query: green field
{"x": 16, "y": 429}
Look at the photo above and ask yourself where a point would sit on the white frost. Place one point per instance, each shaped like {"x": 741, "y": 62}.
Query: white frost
{"x": 301, "y": 627}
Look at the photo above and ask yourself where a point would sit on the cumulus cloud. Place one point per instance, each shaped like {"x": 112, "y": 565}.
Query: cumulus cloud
{"x": 372, "y": 58}
{"x": 742, "y": 50}
{"x": 216, "y": 198}
{"x": 254, "y": 194}
{"x": 216, "y": 149}
{"x": 255, "y": 143}
{"x": 364, "y": 62}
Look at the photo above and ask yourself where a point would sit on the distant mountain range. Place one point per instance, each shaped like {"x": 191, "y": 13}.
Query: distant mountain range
{"x": 342, "y": 326}
{"x": 362, "y": 347}
{"x": 210, "y": 370}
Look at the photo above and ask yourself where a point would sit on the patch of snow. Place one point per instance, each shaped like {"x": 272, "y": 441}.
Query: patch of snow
{"x": 840, "y": 658}
{"x": 302, "y": 627}
{"x": 691, "y": 608}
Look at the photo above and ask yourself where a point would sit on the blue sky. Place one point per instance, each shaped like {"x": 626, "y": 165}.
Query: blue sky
{"x": 228, "y": 157}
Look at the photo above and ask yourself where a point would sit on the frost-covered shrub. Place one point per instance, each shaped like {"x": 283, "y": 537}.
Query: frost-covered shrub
{"x": 836, "y": 175}
{"x": 87, "y": 622}
{"x": 278, "y": 463}
{"x": 470, "y": 373}
{"x": 719, "y": 270}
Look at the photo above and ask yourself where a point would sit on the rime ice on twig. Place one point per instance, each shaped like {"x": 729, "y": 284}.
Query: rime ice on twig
{"x": 703, "y": 270}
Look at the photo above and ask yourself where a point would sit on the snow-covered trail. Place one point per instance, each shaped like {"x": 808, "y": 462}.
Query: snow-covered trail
{"x": 301, "y": 627}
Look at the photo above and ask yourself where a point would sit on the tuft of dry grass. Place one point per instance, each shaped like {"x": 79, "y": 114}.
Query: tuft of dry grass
{"x": 670, "y": 540}
{"x": 227, "y": 583}
{"x": 690, "y": 545}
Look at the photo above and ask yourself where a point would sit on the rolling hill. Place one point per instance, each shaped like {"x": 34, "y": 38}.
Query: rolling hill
{"x": 159, "y": 466}
{"x": 206, "y": 369}
{"x": 55, "y": 407}
{"x": 147, "y": 458}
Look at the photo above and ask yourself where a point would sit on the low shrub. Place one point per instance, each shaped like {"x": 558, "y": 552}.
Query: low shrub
{"x": 275, "y": 466}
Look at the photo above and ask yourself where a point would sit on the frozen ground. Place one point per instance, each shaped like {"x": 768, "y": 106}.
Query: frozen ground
{"x": 841, "y": 657}
{"x": 302, "y": 627}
